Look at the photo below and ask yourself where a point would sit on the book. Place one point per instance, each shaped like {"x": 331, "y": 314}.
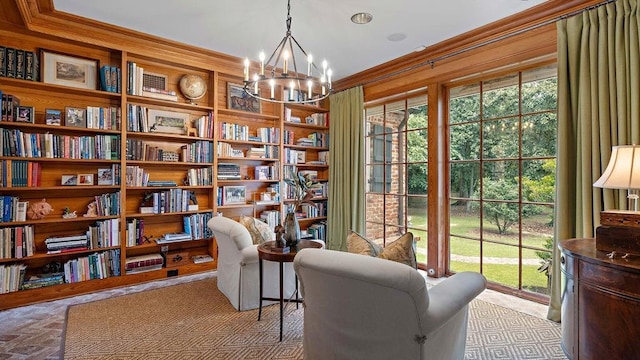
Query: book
{"x": 199, "y": 259}
{"x": 10, "y": 60}
{"x": 20, "y": 64}
{"x": 3, "y": 63}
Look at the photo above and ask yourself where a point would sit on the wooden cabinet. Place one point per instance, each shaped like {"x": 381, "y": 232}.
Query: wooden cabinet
{"x": 165, "y": 154}
{"x": 600, "y": 303}
{"x": 159, "y": 181}
{"x": 306, "y": 151}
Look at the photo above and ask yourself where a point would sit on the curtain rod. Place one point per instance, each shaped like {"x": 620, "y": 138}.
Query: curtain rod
{"x": 433, "y": 61}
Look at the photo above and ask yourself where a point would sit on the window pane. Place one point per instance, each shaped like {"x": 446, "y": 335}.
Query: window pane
{"x": 417, "y": 146}
{"x": 392, "y": 233}
{"x": 465, "y": 141}
{"x": 538, "y": 181}
{"x": 500, "y": 139}
{"x": 417, "y": 177}
{"x": 375, "y": 232}
{"x": 417, "y": 213}
{"x": 417, "y": 117}
{"x": 539, "y": 89}
{"x": 500, "y": 222}
{"x": 375, "y": 178}
{"x": 375, "y": 120}
{"x": 500, "y": 180}
{"x": 500, "y": 97}
{"x": 464, "y": 105}
{"x": 398, "y": 179}
{"x": 500, "y": 264}
{"x": 395, "y": 211}
{"x": 465, "y": 219}
{"x": 375, "y": 149}
{"x": 465, "y": 180}
{"x": 464, "y": 255}
{"x": 375, "y": 207}
{"x": 537, "y": 225}
{"x": 539, "y": 135}
{"x": 395, "y": 116}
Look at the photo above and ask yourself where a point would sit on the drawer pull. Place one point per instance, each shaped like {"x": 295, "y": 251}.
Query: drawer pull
{"x": 562, "y": 261}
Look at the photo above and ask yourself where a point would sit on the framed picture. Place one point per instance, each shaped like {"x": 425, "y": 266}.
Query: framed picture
{"x": 234, "y": 195}
{"x": 167, "y": 121}
{"x": 69, "y": 180}
{"x": 302, "y": 156}
{"x": 75, "y": 117}
{"x": 69, "y": 71}
{"x": 237, "y": 99}
{"x": 25, "y": 114}
{"x": 105, "y": 177}
{"x": 85, "y": 179}
{"x": 52, "y": 116}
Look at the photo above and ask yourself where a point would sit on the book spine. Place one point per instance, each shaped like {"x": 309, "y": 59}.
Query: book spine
{"x": 3, "y": 62}
{"x": 10, "y": 58}
{"x": 20, "y": 64}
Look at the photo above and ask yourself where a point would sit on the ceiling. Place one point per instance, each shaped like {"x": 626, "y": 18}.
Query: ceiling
{"x": 243, "y": 28}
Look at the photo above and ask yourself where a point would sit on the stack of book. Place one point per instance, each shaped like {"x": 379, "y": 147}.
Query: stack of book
{"x": 228, "y": 171}
{"x": 174, "y": 237}
{"x": 61, "y": 244}
{"x": 305, "y": 142}
{"x": 42, "y": 280}
{"x": 142, "y": 263}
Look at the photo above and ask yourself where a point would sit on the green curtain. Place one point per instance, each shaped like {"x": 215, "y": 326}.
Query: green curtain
{"x": 346, "y": 167}
{"x": 598, "y": 107}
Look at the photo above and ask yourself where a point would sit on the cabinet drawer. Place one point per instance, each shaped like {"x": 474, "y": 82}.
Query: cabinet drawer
{"x": 177, "y": 258}
{"x": 612, "y": 279}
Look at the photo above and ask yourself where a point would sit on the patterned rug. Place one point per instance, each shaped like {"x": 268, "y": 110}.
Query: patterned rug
{"x": 195, "y": 321}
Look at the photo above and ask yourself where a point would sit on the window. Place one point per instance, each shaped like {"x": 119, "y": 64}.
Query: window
{"x": 502, "y": 135}
{"x": 396, "y": 171}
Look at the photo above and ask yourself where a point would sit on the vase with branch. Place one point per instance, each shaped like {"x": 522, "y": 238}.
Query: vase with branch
{"x": 302, "y": 194}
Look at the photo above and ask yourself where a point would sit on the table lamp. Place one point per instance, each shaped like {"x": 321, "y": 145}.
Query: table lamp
{"x": 620, "y": 230}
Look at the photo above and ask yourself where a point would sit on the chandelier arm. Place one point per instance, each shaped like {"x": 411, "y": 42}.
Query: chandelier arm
{"x": 293, "y": 57}
{"x": 279, "y": 47}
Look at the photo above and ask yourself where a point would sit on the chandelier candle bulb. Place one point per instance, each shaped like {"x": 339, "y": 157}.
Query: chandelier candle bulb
{"x": 285, "y": 59}
{"x": 261, "y": 57}
{"x": 323, "y": 88}
{"x": 256, "y": 77}
{"x": 309, "y": 86}
{"x": 292, "y": 85}
{"x": 272, "y": 83}
{"x": 310, "y": 63}
{"x": 329, "y": 72}
{"x": 246, "y": 69}
{"x": 324, "y": 69}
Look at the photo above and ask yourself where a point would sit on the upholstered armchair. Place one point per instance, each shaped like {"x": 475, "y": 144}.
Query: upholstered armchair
{"x": 238, "y": 272}
{"x": 361, "y": 307}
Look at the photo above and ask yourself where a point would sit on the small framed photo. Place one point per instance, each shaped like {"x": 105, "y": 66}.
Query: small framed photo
{"x": 302, "y": 156}
{"x": 85, "y": 179}
{"x": 234, "y": 195}
{"x": 237, "y": 99}
{"x": 105, "y": 177}
{"x": 25, "y": 114}
{"x": 69, "y": 180}
{"x": 75, "y": 117}
{"x": 70, "y": 71}
{"x": 167, "y": 121}
{"x": 52, "y": 117}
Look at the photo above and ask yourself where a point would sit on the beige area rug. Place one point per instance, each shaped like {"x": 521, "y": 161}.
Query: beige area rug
{"x": 195, "y": 321}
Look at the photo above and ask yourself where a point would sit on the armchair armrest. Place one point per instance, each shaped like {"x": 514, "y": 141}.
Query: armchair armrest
{"x": 450, "y": 296}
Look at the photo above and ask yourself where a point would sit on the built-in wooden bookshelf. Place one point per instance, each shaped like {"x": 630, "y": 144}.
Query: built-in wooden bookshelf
{"x": 147, "y": 164}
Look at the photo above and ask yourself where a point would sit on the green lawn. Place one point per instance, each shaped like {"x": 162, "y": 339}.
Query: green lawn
{"x": 505, "y": 274}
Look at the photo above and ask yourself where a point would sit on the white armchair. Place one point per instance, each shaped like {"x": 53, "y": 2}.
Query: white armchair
{"x": 361, "y": 307}
{"x": 238, "y": 272}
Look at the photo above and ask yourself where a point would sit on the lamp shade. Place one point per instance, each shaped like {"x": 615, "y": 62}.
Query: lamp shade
{"x": 623, "y": 170}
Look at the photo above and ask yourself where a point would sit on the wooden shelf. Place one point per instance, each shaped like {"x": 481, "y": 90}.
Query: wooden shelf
{"x": 243, "y": 142}
{"x": 166, "y": 103}
{"x": 180, "y": 213}
{"x": 306, "y": 126}
{"x": 37, "y": 85}
{"x": 58, "y": 220}
{"x": 306, "y": 107}
{"x": 246, "y": 114}
{"x": 165, "y": 136}
{"x": 62, "y": 129}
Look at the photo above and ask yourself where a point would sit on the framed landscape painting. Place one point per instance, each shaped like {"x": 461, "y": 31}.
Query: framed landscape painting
{"x": 237, "y": 99}
{"x": 70, "y": 71}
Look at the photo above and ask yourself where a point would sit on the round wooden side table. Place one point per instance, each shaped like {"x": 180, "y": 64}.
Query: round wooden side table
{"x": 268, "y": 251}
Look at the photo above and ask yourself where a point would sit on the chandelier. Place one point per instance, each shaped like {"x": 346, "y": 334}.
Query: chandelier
{"x": 299, "y": 88}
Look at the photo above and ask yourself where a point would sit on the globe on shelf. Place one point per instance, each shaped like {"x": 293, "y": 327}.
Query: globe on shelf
{"x": 193, "y": 87}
